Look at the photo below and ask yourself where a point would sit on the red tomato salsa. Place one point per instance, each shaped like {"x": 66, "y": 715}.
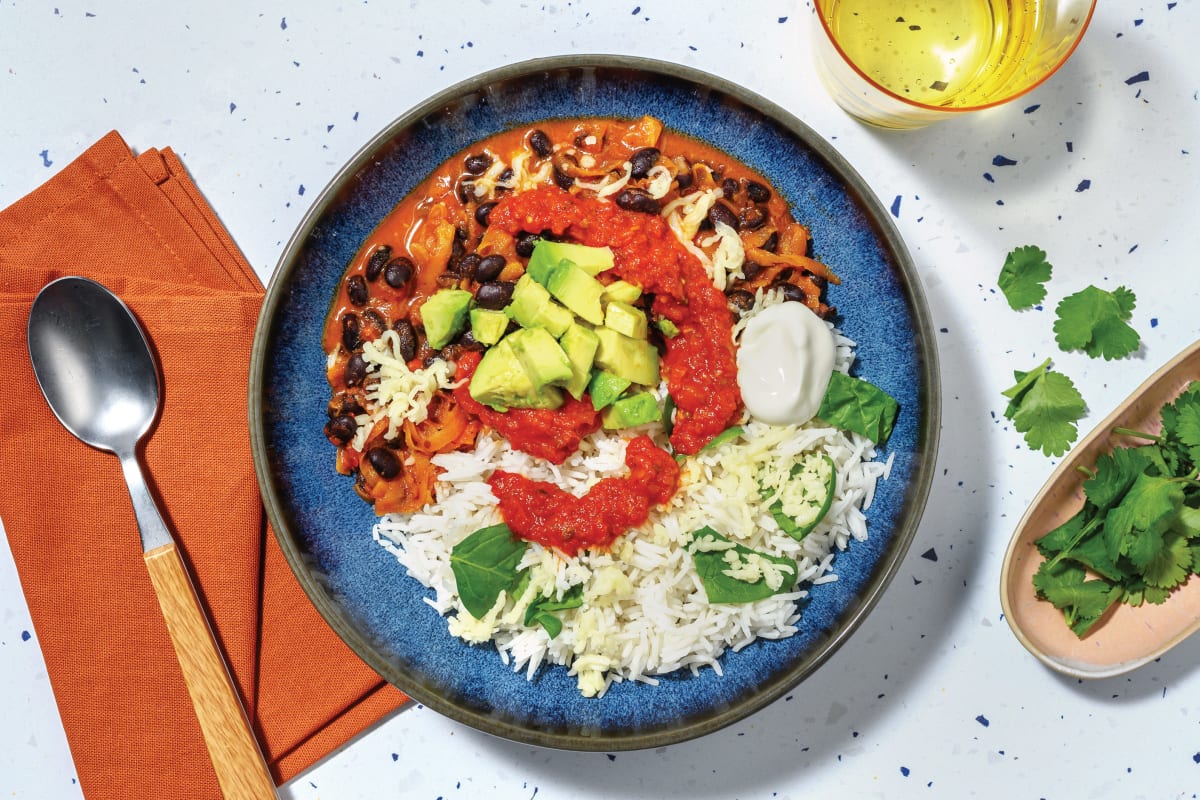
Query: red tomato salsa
{"x": 700, "y": 364}
{"x": 541, "y": 512}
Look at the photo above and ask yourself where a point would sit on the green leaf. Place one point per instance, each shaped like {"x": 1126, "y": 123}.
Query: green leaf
{"x": 1022, "y": 277}
{"x": 721, "y": 588}
{"x": 1062, "y": 537}
{"x": 724, "y": 436}
{"x": 1115, "y": 473}
{"x": 484, "y": 565}
{"x": 789, "y": 525}
{"x": 1045, "y": 406}
{"x": 1094, "y": 321}
{"x": 1082, "y": 601}
{"x": 543, "y": 610}
{"x": 1171, "y": 565}
{"x": 1151, "y": 503}
{"x": 855, "y": 405}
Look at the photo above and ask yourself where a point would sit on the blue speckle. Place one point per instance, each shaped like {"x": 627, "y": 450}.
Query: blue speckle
{"x": 232, "y": 106}
{"x": 904, "y": 771}
{"x": 692, "y": 47}
{"x": 896, "y": 207}
{"x": 25, "y": 636}
{"x": 1141, "y": 77}
{"x": 1033, "y": 108}
{"x": 355, "y": 117}
{"x": 420, "y": 54}
{"x": 1070, "y": 147}
{"x": 982, "y": 720}
{"x": 301, "y": 190}
{"x": 395, "y": 756}
{"x": 1002, "y": 161}
{"x": 782, "y": 20}
{"x": 636, "y": 10}
{"x": 1137, "y": 23}
{"x": 283, "y": 24}
{"x": 329, "y": 127}
{"x": 45, "y": 154}
{"x": 1196, "y": 758}
{"x": 987, "y": 176}
{"x": 1154, "y": 322}
{"x": 1084, "y": 185}
{"x": 930, "y": 554}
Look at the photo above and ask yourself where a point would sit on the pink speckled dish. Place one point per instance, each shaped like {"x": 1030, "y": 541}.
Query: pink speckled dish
{"x": 1127, "y": 637}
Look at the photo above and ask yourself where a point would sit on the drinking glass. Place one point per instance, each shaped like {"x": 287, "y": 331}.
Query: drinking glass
{"x": 907, "y": 63}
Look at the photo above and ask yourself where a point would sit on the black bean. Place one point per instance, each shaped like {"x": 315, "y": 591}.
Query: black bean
{"x": 540, "y": 143}
{"x": 494, "y": 294}
{"x": 398, "y": 272}
{"x": 753, "y": 218}
{"x": 757, "y": 192}
{"x": 477, "y": 164}
{"x": 637, "y": 200}
{"x": 378, "y": 261}
{"x": 793, "y": 292}
{"x": 643, "y": 161}
{"x": 356, "y": 370}
{"x": 783, "y": 276}
{"x": 341, "y": 429}
{"x": 356, "y": 290}
{"x": 525, "y": 243}
{"x": 490, "y": 268}
{"x": 751, "y": 269}
{"x": 741, "y": 299}
{"x": 683, "y": 180}
{"x": 351, "y": 331}
{"x": 506, "y": 175}
{"x": 408, "y": 339}
{"x": 729, "y": 187}
{"x": 384, "y": 462}
{"x": 483, "y": 212}
{"x": 457, "y": 248}
{"x": 562, "y": 180}
{"x": 721, "y": 213}
{"x": 467, "y": 265}
{"x": 373, "y": 318}
{"x": 343, "y": 403}
{"x": 772, "y": 242}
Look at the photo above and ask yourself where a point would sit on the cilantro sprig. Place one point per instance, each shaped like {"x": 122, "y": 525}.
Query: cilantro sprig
{"x": 1046, "y": 407}
{"x": 1137, "y": 537}
{"x": 1094, "y": 321}
{"x": 1024, "y": 275}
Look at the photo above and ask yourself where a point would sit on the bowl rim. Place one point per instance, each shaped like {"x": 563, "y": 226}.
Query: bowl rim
{"x": 913, "y": 503}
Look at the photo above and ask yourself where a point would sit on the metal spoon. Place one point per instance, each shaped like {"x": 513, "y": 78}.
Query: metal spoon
{"x": 1127, "y": 637}
{"x": 99, "y": 376}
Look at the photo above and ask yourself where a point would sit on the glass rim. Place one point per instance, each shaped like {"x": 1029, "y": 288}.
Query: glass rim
{"x": 817, "y": 5}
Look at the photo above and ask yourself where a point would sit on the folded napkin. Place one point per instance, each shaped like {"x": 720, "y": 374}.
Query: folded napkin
{"x": 140, "y": 226}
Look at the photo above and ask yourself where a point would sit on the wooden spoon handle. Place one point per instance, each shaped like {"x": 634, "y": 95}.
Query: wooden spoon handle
{"x": 239, "y": 764}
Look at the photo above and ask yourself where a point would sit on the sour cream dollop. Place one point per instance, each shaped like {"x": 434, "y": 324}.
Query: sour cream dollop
{"x": 785, "y": 357}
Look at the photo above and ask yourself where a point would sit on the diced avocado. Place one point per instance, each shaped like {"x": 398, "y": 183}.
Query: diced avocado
{"x": 621, "y": 291}
{"x": 544, "y": 361}
{"x": 444, "y": 315}
{"x": 605, "y": 387}
{"x": 540, "y": 268}
{"x": 547, "y": 255}
{"x": 669, "y": 329}
{"x": 628, "y": 412}
{"x": 488, "y": 326}
{"x": 532, "y": 307}
{"x": 580, "y": 345}
{"x": 636, "y": 360}
{"x": 578, "y": 291}
{"x": 501, "y": 382}
{"x": 626, "y": 319}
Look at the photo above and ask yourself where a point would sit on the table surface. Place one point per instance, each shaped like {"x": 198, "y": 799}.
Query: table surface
{"x": 932, "y": 696}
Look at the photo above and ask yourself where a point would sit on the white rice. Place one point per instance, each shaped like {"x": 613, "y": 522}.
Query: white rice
{"x": 645, "y": 612}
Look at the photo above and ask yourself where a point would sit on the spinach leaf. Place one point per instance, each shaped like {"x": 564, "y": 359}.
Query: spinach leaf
{"x": 789, "y": 525}
{"x": 542, "y": 609}
{"x": 852, "y": 404}
{"x": 484, "y": 565}
{"x": 711, "y": 566}
{"x": 723, "y": 437}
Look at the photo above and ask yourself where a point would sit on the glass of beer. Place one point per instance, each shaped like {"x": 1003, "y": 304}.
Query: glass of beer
{"x": 907, "y": 63}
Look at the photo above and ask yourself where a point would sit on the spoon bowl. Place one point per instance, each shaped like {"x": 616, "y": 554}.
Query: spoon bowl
{"x": 100, "y": 377}
{"x": 1127, "y": 637}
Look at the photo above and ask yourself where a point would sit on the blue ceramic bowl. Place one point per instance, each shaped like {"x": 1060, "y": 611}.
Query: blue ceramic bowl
{"x": 324, "y": 528}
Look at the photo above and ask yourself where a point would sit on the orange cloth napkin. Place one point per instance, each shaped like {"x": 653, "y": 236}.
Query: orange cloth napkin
{"x": 140, "y": 226}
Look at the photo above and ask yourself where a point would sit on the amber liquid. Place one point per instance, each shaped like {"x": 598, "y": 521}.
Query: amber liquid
{"x": 944, "y": 53}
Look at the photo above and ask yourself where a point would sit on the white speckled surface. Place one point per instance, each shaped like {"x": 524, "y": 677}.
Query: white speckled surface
{"x": 933, "y": 696}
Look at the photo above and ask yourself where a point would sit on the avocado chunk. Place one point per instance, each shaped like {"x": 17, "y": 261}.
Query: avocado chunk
{"x": 488, "y": 326}
{"x": 621, "y": 291}
{"x": 605, "y": 387}
{"x": 532, "y": 307}
{"x": 445, "y": 315}
{"x": 629, "y": 412}
{"x": 636, "y": 360}
{"x": 547, "y": 255}
{"x": 669, "y": 329}
{"x": 580, "y": 345}
{"x": 501, "y": 382}
{"x": 544, "y": 361}
{"x": 578, "y": 291}
{"x": 626, "y": 319}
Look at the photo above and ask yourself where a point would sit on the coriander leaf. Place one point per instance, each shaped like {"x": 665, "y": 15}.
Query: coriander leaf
{"x": 1092, "y": 553}
{"x": 1151, "y": 503}
{"x": 1115, "y": 473}
{"x": 1187, "y": 522}
{"x": 855, "y": 405}
{"x": 1093, "y": 320}
{"x": 1082, "y": 601}
{"x": 1062, "y": 537}
{"x": 1188, "y": 430}
{"x": 1170, "y": 411}
{"x": 1022, "y": 277}
{"x": 1171, "y": 565}
{"x": 484, "y": 565}
{"x": 1045, "y": 406}
{"x": 709, "y": 550}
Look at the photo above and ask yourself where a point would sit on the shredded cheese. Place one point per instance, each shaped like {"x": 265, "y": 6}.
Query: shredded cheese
{"x": 610, "y": 184}
{"x": 397, "y": 393}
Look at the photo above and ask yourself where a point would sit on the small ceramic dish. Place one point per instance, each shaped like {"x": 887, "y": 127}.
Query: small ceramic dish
{"x": 325, "y": 529}
{"x": 1127, "y": 637}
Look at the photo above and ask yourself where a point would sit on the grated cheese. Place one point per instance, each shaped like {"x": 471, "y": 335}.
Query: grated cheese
{"x": 398, "y": 393}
